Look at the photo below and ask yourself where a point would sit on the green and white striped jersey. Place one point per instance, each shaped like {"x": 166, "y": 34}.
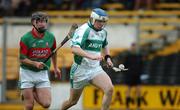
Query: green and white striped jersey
{"x": 91, "y": 41}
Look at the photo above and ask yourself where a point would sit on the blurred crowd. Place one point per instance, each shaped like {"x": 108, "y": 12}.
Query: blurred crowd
{"x": 26, "y": 7}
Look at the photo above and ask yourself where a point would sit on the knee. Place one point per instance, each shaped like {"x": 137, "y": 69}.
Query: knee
{"x": 73, "y": 103}
{"x": 109, "y": 90}
{"x": 46, "y": 105}
{"x": 29, "y": 103}
{"x": 29, "y": 106}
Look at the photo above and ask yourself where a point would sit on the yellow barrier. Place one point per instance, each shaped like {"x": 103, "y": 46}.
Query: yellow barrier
{"x": 152, "y": 97}
{"x": 168, "y": 6}
{"x": 113, "y": 13}
{"x": 18, "y": 107}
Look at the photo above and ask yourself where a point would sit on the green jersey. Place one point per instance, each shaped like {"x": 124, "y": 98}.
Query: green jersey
{"x": 36, "y": 49}
{"x": 91, "y": 41}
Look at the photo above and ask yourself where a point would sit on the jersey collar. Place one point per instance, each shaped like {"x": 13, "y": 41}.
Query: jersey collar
{"x": 36, "y": 34}
{"x": 91, "y": 26}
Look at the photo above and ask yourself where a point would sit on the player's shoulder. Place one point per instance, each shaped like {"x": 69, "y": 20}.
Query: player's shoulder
{"x": 26, "y": 35}
{"x": 81, "y": 30}
{"x": 104, "y": 30}
{"x": 83, "y": 27}
{"x": 49, "y": 33}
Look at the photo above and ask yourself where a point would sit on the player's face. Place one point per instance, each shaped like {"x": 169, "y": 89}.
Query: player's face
{"x": 133, "y": 47}
{"x": 99, "y": 24}
{"x": 40, "y": 24}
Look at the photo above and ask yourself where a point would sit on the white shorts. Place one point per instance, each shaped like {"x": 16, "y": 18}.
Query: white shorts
{"x": 29, "y": 79}
{"x": 80, "y": 76}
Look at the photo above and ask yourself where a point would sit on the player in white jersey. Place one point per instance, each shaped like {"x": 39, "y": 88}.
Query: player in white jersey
{"x": 88, "y": 42}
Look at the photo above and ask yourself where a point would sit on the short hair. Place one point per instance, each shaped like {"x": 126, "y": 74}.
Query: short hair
{"x": 39, "y": 16}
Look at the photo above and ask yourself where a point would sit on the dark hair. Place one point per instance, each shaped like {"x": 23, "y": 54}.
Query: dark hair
{"x": 39, "y": 16}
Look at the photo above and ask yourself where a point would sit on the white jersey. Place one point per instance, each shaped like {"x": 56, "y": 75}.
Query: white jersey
{"x": 90, "y": 41}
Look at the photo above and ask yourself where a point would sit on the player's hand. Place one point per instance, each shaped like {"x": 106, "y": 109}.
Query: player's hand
{"x": 109, "y": 63}
{"x": 39, "y": 65}
{"x": 57, "y": 73}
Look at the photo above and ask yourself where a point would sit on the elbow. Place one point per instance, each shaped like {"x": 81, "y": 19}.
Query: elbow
{"x": 21, "y": 60}
{"x": 74, "y": 49}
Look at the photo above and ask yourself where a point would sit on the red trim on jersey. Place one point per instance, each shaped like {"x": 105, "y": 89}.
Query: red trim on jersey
{"x": 39, "y": 52}
{"x": 23, "y": 48}
{"x": 54, "y": 44}
{"x": 36, "y": 34}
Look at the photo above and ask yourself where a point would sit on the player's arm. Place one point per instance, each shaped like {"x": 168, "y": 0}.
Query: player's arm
{"x": 23, "y": 56}
{"x": 107, "y": 57}
{"x": 106, "y": 50}
{"x": 54, "y": 57}
{"x": 56, "y": 69}
{"x": 29, "y": 62}
{"x": 78, "y": 51}
{"x": 54, "y": 62}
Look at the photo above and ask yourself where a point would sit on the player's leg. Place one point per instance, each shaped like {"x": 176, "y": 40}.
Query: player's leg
{"x": 77, "y": 85}
{"x": 138, "y": 90}
{"x": 35, "y": 96}
{"x": 28, "y": 98}
{"x": 137, "y": 84}
{"x": 42, "y": 93}
{"x": 103, "y": 81}
{"x": 138, "y": 94}
{"x": 43, "y": 96}
{"x": 128, "y": 98}
{"x": 128, "y": 91}
{"x": 27, "y": 94}
{"x": 26, "y": 87}
{"x": 73, "y": 99}
{"x": 34, "y": 93}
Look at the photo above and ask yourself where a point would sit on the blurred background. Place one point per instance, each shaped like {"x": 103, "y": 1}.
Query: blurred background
{"x": 153, "y": 25}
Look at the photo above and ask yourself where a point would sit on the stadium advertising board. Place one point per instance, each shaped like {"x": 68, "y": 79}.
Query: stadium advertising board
{"x": 152, "y": 97}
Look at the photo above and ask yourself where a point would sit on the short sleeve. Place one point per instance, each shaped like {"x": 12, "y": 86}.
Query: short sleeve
{"x": 77, "y": 38}
{"x": 105, "y": 43}
{"x": 23, "y": 48}
{"x": 54, "y": 44}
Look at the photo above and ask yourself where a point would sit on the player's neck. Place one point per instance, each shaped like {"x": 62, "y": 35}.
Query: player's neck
{"x": 36, "y": 34}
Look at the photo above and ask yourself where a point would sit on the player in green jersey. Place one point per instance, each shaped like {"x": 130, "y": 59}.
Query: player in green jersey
{"x": 35, "y": 46}
{"x": 88, "y": 42}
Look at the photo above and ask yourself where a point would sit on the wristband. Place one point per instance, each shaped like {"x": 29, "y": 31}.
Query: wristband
{"x": 107, "y": 56}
